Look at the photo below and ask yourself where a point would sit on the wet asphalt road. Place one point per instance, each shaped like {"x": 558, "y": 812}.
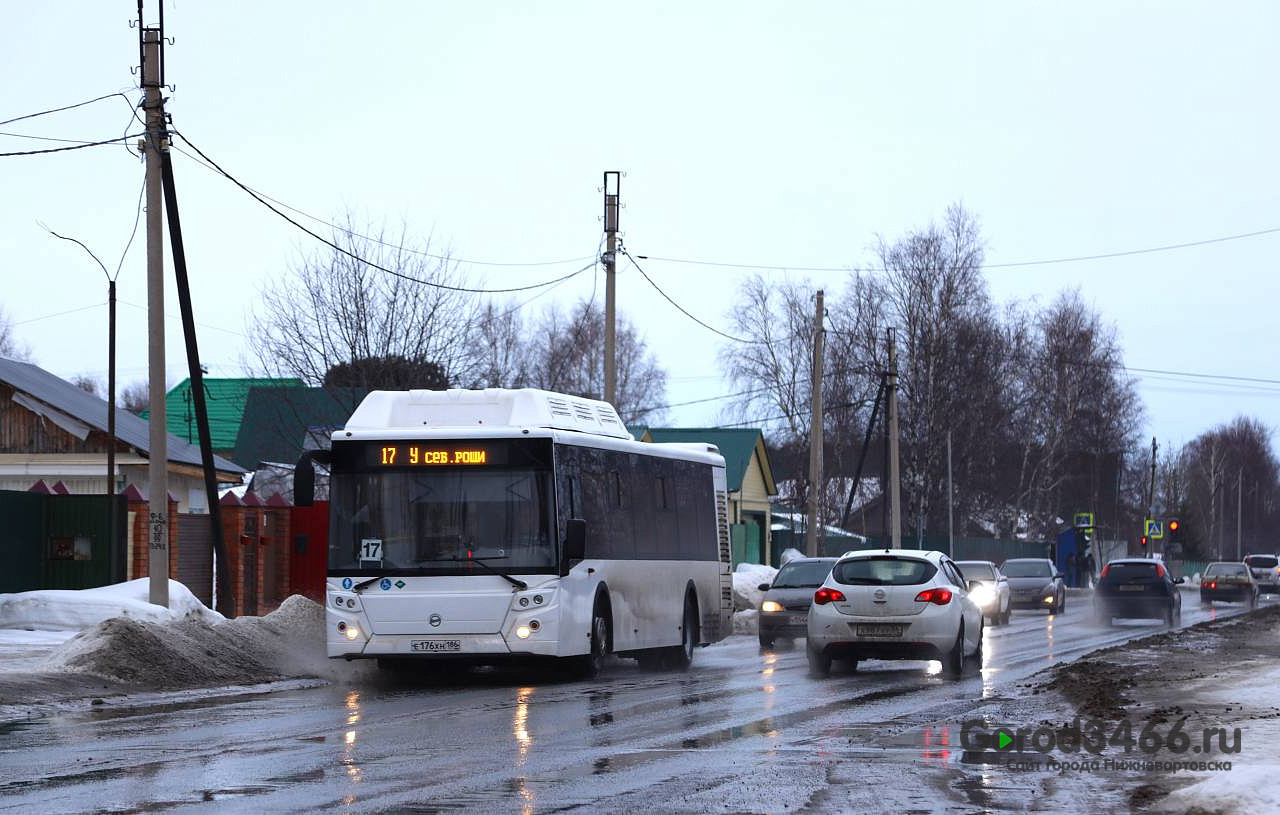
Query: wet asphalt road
{"x": 743, "y": 730}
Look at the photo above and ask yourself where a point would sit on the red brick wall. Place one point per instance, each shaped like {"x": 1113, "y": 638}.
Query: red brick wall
{"x": 138, "y": 545}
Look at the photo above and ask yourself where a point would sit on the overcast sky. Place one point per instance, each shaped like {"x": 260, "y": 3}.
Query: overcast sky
{"x": 783, "y": 134}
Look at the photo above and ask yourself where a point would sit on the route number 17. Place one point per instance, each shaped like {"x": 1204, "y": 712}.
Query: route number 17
{"x": 371, "y": 549}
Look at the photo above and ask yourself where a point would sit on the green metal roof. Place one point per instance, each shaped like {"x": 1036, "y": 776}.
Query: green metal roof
{"x": 736, "y": 445}
{"x": 224, "y": 399}
{"x": 276, "y": 421}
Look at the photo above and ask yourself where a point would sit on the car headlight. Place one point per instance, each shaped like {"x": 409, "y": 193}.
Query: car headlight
{"x": 983, "y": 594}
{"x": 771, "y": 606}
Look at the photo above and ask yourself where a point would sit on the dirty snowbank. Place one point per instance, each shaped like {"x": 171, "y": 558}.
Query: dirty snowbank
{"x": 76, "y": 610}
{"x": 746, "y": 581}
{"x": 191, "y": 653}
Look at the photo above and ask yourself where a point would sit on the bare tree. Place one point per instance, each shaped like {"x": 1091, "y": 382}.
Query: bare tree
{"x": 136, "y": 397}
{"x": 9, "y": 345}
{"x": 332, "y": 309}
{"x": 86, "y": 383}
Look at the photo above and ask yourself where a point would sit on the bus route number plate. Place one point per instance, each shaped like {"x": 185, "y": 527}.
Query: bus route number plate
{"x": 436, "y": 646}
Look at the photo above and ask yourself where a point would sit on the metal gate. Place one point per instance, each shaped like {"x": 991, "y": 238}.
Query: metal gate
{"x": 195, "y": 556}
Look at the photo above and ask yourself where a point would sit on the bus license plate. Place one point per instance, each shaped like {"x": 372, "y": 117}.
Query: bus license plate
{"x": 436, "y": 646}
{"x": 879, "y": 630}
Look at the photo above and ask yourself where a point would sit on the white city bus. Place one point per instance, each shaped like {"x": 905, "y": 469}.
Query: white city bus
{"x": 490, "y": 524}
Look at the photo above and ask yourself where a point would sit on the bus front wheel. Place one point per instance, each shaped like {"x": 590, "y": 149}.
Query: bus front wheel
{"x": 592, "y": 664}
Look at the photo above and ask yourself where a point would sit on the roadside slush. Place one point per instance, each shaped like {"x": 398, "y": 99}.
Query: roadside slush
{"x": 1179, "y": 721}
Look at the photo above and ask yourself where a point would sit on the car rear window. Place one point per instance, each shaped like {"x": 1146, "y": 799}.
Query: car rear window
{"x": 883, "y": 571}
{"x": 1225, "y": 569}
{"x": 977, "y": 570}
{"x": 1120, "y": 572}
{"x": 1261, "y": 561}
{"x": 1027, "y": 568}
{"x": 808, "y": 575}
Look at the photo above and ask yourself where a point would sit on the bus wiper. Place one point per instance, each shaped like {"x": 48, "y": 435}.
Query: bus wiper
{"x": 480, "y": 561}
{"x": 364, "y": 584}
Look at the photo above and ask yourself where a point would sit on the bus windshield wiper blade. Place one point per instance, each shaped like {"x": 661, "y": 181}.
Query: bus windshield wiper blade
{"x": 480, "y": 561}
{"x": 364, "y": 584}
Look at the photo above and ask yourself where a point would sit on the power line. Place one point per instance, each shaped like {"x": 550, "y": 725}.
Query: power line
{"x": 59, "y": 314}
{"x": 682, "y": 309}
{"x": 66, "y": 107}
{"x": 370, "y": 263}
{"x": 79, "y": 146}
{"x": 1011, "y": 265}
{"x": 372, "y": 239}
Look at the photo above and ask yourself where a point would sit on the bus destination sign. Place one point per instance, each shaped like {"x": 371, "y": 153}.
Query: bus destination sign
{"x": 416, "y": 455}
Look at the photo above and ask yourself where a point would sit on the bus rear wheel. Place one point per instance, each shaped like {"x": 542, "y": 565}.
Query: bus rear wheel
{"x": 681, "y": 656}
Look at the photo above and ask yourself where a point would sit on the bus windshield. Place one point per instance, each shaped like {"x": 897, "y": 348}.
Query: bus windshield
{"x": 433, "y": 521}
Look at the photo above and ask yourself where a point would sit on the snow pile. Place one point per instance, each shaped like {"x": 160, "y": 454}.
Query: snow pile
{"x": 1245, "y": 789}
{"x": 746, "y": 622}
{"x": 790, "y": 554}
{"x": 746, "y": 580}
{"x": 68, "y": 610}
{"x": 191, "y": 652}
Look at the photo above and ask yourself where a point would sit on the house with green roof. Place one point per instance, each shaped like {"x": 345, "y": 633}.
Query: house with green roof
{"x": 749, "y": 477}
{"x": 225, "y": 401}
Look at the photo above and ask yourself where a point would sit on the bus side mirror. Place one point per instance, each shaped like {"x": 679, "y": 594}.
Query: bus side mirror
{"x": 304, "y": 482}
{"x": 575, "y": 539}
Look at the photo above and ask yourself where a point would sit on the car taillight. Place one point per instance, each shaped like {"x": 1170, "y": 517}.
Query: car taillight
{"x": 1159, "y": 570}
{"x": 1105, "y": 569}
{"x": 1213, "y": 585}
{"x": 939, "y": 597}
{"x": 825, "y": 595}
{"x": 1278, "y": 570}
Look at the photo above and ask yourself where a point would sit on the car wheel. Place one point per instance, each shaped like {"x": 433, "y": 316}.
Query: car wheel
{"x": 1008, "y": 614}
{"x": 766, "y": 640}
{"x": 1205, "y": 601}
{"x": 1062, "y": 602}
{"x": 1100, "y": 617}
{"x": 1253, "y": 601}
{"x": 977, "y": 652}
{"x": 819, "y": 662}
{"x": 592, "y": 664}
{"x": 953, "y": 662}
{"x": 1168, "y": 616}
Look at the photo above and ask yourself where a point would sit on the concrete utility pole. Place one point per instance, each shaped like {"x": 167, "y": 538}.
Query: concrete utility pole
{"x": 612, "y": 190}
{"x": 895, "y": 495}
{"x": 951, "y": 517}
{"x": 1240, "y": 514}
{"x": 158, "y": 463}
{"x": 815, "y": 434}
{"x": 1151, "y": 497}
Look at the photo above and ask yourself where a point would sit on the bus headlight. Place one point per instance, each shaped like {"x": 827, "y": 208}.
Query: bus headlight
{"x": 523, "y": 632}
{"x": 352, "y": 632}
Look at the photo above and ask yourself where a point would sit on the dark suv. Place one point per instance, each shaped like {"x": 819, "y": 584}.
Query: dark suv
{"x": 1137, "y": 588}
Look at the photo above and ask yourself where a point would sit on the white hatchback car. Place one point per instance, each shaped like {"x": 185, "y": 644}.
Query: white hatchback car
{"x": 894, "y": 604}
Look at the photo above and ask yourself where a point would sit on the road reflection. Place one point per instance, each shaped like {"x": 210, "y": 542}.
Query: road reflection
{"x": 354, "y": 774}
{"x": 524, "y": 743}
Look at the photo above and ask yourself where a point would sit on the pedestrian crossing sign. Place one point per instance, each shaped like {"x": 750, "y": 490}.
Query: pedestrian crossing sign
{"x": 1083, "y": 520}
{"x": 1155, "y": 529}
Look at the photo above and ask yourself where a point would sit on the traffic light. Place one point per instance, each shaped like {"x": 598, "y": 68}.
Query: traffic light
{"x": 1173, "y": 527}
{"x": 1142, "y": 541}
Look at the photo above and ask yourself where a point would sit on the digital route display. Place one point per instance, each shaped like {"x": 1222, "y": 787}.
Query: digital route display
{"x": 396, "y": 454}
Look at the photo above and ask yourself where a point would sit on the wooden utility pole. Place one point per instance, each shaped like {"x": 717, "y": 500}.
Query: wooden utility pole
{"x": 1240, "y": 514}
{"x": 895, "y": 495}
{"x": 612, "y": 191}
{"x": 158, "y": 461}
{"x": 814, "y": 522}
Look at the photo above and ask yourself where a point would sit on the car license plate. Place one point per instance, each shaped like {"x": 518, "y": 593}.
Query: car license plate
{"x": 1132, "y": 588}
{"x": 799, "y": 619}
{"x": 436, "y": 646}
{"x": 879, "y": 630}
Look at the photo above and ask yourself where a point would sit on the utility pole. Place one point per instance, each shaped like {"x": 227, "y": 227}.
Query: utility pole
{"x": 1151, "y": 496}
{"x": 111, "y": 423}
{"x": 815, "y": 433}
{"x": 158, "y": 463}
{"x": 612, "y": 191}
{"x": 951, "y": 519}
{"x": 1239, "y": 513}
{"x": 895, "y": 496}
